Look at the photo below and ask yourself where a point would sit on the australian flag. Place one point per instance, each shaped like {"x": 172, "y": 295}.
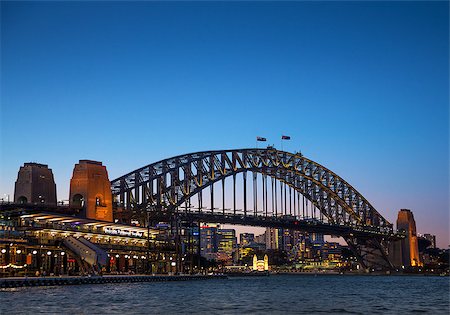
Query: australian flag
{"x": 285, "y": 138}
{"x": 261, "y": 139}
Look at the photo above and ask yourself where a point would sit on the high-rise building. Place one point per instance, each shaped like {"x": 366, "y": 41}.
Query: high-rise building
{"x": 208, "y": 241}
{"x": 246, "y": 238}
{"x": 409, "y": 245}
{"x": 317, "y": 238}
{"x": 35, "y": 184}
{"x": 227, "y": 244}
{"x": 272, "y": 238}
{"x": 431, "y": 238}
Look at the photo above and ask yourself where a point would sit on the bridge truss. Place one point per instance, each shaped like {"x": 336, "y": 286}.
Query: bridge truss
{"x": 260, "y": 187}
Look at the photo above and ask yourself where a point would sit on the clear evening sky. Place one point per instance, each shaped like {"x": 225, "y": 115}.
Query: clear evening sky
{"x": 361, "y": 87}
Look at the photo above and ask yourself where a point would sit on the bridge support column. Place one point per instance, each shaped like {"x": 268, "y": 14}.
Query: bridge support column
{"x": 199, "y": 247}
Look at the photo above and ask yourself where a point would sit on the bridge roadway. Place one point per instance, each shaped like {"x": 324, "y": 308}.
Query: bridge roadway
{"x": 285, "y": 222}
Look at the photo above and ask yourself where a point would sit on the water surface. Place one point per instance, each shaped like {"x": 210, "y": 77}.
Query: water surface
{"x": 281, "y": 294}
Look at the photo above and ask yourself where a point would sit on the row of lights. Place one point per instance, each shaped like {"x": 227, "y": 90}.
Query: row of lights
{"x": 34, "y": 252}
{"x": 173, "y": 264}
{"x": 128, "y": 256}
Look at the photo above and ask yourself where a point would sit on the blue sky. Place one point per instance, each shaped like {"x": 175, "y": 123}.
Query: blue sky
{"x": 361, "y": 87}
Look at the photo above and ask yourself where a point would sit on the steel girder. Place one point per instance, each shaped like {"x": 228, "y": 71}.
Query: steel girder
{"x": 169, "y": 183}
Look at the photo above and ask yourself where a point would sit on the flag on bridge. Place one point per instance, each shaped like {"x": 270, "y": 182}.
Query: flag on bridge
{"x": 285, "y": 138}
{"x": 261, "y": 139}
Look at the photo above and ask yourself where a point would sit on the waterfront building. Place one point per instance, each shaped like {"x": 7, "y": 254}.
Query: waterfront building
{"x": 52, "y": 243}
{"x": 37, "y": 236}
{"x": 260, "y": 265}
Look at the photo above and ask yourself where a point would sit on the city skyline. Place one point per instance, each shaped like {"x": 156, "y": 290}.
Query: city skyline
{"x": 361, "y": 88}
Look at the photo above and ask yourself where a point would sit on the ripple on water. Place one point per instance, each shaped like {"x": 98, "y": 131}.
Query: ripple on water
{"x": 294, "y": 294}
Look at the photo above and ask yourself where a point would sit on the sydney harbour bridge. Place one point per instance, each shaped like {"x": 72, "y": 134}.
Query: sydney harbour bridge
{"x": 255, "y": 187}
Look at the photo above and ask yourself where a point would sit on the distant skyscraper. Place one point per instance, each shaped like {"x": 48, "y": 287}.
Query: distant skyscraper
{"x": 409, "y": 245}
{"x": 431, "y": 238}
{"x": 317, "y": 238}
{"x": 227, "y": 242}
{"x": 246, "y": 238}
{"x": 286, "y": 239}
{"x": 208, "y": 236}
{"x": 272, "y": 238}
{"x": 35, "y": 184}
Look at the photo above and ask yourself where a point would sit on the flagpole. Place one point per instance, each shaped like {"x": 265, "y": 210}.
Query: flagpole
{"x": 283, "y": 137}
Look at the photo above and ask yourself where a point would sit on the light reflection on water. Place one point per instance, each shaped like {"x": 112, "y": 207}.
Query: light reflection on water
{"x": 293, "y": 294}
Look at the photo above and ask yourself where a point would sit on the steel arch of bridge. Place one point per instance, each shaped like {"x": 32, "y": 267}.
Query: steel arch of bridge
{"x": 171, "y": 182}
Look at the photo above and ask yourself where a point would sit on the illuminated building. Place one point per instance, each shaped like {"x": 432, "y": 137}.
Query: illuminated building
{"x": 409, "y": 245}
{"x": 227, "y": 244}
{"x": 208, "y": 241}
{"x": 36, "y": 242}
{"x": 35, "y": 184}
{"x": 260, "y": 265}
{"x": 246, "y": 238}
{"x": 317, "y": 238}
{"x": 90, "y": 189}
{"x": 272, "y": 238}
{"x": 286, "y": 241}
{"x": 37, "y": 236}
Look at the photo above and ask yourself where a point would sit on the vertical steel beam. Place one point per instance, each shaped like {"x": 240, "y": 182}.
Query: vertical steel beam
{"x": 273, "y": 196}
{"x": 265, "y": 180}
{"x": 276, "y": 199}
{"x": 290, "y": 200}
{"x": 285, "y": 198}
{"x": 234, "y": 194}
{"x": 244, "y": 175}
{"x": 223, "y": 196}
{"x": 303, "y": 209}
{"x": 211, "y": 190}
{"x": 264, "y": 210}
{"x": 255, "y": 194}
{"x": 200, "y": 201}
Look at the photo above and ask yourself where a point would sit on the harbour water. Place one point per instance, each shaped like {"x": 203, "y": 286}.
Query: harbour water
{"x": 276, "y": 294}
